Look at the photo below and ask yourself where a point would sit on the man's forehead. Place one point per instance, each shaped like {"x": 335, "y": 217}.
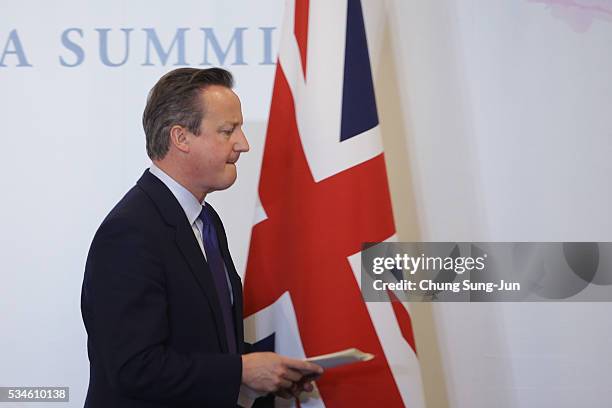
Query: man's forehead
{"x": 215, "y": 95}
{"x": 221, "y": 105}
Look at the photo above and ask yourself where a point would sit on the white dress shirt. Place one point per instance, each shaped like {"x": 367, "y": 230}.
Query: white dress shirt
{"x": 192, "y": 208}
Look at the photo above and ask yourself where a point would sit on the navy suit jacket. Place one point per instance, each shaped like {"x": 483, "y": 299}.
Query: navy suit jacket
{"x": 155, "y": 330}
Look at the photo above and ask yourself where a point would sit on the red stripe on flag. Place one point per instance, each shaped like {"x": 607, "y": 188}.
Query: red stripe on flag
{"x": 403, "y": 320}
{"x": 303, "y": 245}
{"x": 301, "y": 29}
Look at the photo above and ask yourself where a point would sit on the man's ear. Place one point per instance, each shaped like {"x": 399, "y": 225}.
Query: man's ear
{"x": 179, "y": 139}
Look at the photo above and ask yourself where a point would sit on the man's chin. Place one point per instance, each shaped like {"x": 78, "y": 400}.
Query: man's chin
{"x": 225, "y": 184}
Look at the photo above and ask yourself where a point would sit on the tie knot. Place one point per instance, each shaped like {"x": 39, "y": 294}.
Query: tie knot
{"x": 205, "y": 214}
{"x": 209, "y": 234}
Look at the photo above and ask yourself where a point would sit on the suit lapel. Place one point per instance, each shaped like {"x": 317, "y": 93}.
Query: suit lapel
{"x": 237, "y": 293}
{"x": 234, "y": 279}
{"x": 187, "y": 244}
{"x": 189, "y": 247}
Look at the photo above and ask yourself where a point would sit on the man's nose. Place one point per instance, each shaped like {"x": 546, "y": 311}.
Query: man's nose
{"x": 242, "y": 144}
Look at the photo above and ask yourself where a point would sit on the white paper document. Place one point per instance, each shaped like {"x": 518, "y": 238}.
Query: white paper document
{"x": 340, "y": 358}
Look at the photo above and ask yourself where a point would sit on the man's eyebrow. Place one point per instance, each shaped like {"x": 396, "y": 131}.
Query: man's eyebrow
{"x": 233, "y": 123}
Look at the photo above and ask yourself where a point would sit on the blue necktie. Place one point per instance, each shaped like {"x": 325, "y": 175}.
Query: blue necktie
{"x": 217, "y": 268}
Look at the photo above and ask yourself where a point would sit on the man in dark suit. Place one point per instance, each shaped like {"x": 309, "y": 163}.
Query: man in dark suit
{"x": 161, "y": 299}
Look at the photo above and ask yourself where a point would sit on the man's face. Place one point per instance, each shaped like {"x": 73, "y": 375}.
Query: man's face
{"x": 213, "y": 154}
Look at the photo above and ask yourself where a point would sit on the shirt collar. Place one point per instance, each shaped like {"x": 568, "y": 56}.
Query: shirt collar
{"x": 188, "y": 202}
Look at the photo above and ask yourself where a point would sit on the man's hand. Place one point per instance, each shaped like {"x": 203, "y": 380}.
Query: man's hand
{"x": 271, "y": 372}
{"x": 305, "y": 384}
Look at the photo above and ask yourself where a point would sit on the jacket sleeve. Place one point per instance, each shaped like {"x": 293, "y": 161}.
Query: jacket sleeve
{"x": 124, "y": 307}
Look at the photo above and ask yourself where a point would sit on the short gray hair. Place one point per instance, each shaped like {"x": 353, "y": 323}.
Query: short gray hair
{"x": 174, "y": 100}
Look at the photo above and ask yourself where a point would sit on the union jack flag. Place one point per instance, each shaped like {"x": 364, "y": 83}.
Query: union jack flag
{"x": 322, "y": 193}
